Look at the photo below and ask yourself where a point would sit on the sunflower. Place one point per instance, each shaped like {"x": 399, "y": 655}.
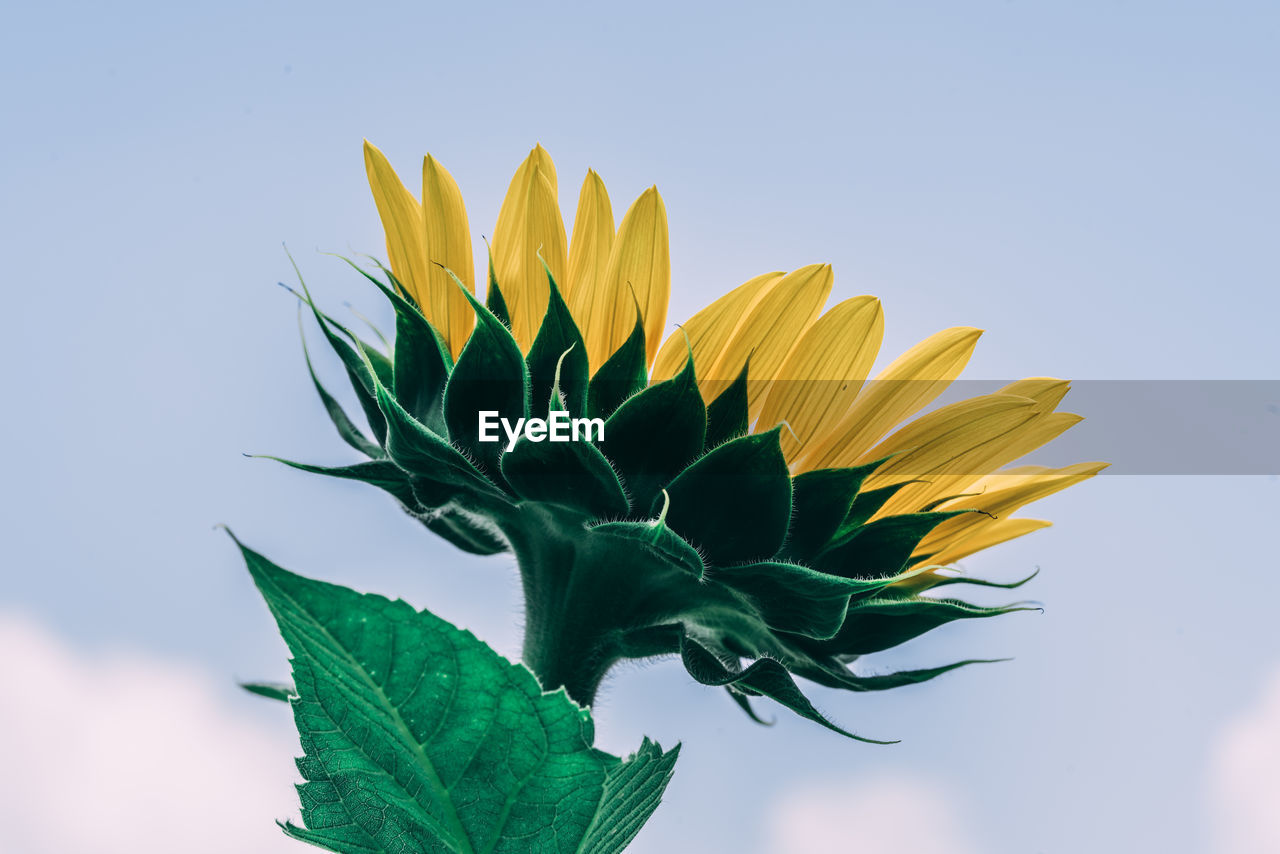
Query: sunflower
{"x": 755, "y": 504}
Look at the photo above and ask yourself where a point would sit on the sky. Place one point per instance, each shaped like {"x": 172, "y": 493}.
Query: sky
{"x": 1092, "y": 183}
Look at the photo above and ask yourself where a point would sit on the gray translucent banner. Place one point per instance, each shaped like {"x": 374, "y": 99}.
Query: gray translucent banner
{"x": 1144, "y": 427}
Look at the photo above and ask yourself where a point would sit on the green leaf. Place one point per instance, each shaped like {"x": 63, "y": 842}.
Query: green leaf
{"x": 271, "y": 690}
{"x": 821, "y": 500}
{"x": 558, "y": 337}
{"x": 632, "y": 790}
{"x": 735, "y": 501}
{"x": 490, "y": 376}
{"x": 574, "y": 474}
{"x": 418, "y": 737}
{"x": 623, "y": 374}
{"x": 654, "y": 435}
{"x": 727, "y": 414}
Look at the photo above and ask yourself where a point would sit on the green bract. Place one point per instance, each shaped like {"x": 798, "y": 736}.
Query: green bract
{"x": 677, "y": 534}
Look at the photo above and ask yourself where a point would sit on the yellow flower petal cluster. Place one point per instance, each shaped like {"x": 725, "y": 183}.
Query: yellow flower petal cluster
{"x": 808, "y": 368}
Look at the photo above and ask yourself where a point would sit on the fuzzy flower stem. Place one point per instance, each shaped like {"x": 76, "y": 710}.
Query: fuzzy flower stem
{"x": 566, "y": 641}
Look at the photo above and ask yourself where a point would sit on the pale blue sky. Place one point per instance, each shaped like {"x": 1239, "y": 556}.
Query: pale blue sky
{"x": 1093, "y": 183}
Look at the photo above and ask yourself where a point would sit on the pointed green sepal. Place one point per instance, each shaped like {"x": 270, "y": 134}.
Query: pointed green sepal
{"x": 797, "y": 599}
{"x": 384, "y": 474}
{"x": 882, "y": 547}
{"x": 727, "y": 416}
{"x": 877, "y": 624}
{"x": 946, "y": 580}
{"x": 430, "y": 459}
{"x": 421, "y": 372}
{"x": 493, "y": 298}
{"x": 654, "y": 435}
{"x": 765, "y": 676}
{"x": 347, "y": 429}
{"x": 558, "y": 352}
{"x": 867, "y": 504}
{"x": 422, "y": 362}
{"x": 465, "y": 532}
{"x": 363, "y": 364}
{"x": 901, "y": 678}
{"x": 821, "y": 501}
{"x": 655, "y": 540}
{"x": 623, "y": 374}
{"x": 490, "y": 376}
{"x": 574, "y": 474}
{"x": 743, "y": 701}
{"x": 735, "y": 501}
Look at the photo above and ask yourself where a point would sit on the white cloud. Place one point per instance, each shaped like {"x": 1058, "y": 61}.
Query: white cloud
{"x": 1245, "y": 779}
{"x": 897, "y": 815}
{"x": 122, "y": 752}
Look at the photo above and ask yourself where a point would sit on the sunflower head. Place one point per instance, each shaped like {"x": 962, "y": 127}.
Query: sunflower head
{"x": 742, "y": 496}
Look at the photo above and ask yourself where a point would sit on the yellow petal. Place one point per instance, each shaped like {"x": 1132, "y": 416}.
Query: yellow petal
{"x": 448, "y": 243}
{"x": 902, "y": 389}
{"x": 992, "y": 533}
{"x": 767, "y": 334}
{"x": 638, "y": 272}
{"x": 948, "y": 441}
{"x": 592, "y": 238}
{"x": 1008, "y": 478}
{"x": 1044, "y": 429}
{"x": 529, "y": 223}
{"x": 1019, "y": 442}
{"x": 959, "y": 476}
{"x": 709, "y": 331}
{"x": 824, "y": 371}
{"x": 1027, "y": 487}
{"x": 402, "y": 222}
{"x": 1015, "y": 492}
{"x": 1046, "y": 390}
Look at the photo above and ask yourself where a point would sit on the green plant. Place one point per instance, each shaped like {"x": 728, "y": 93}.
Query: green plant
{"x": 742, "y": 510}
